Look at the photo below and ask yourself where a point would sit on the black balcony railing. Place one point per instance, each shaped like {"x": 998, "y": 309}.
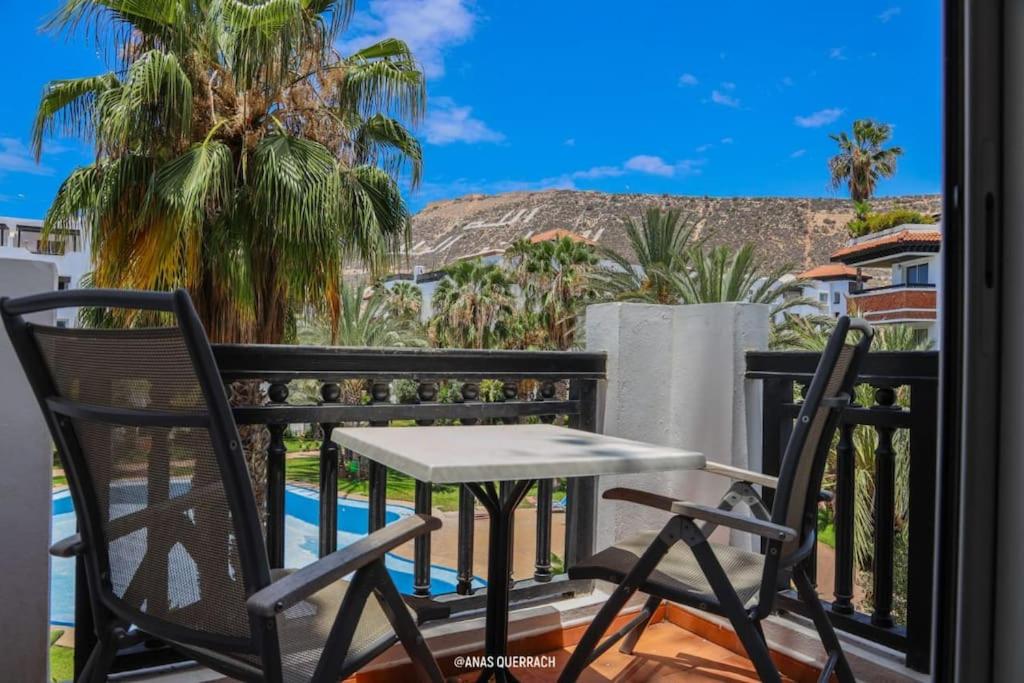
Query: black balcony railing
{"x": 890, "y": 375}
{"x": 535, "y": 385}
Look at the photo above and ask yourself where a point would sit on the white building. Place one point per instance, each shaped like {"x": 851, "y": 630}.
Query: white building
{"x": 829, "y": 286}
{"x": 22, "y": 238}
{"x": 911, "y": 253}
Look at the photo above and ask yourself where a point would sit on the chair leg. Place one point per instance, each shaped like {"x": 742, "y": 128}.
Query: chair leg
{"x": 630, "y": 641}
{"x": 407, "y": 631}
{"x": 809, "y": 597}
{"x": 647, "y": 563}
{"x": 101, "y": 658}
{"x": 747, "y": 629}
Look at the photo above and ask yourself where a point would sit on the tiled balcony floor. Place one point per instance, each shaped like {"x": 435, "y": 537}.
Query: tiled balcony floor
{"x": 666, "y": 653}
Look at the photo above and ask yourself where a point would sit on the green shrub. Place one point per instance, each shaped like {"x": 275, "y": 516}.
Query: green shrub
{"x": 405, "y": 390}
{"x": 876, "y": 222}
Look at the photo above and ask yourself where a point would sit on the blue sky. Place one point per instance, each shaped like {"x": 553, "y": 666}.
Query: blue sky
{"x": 697, "y": 98}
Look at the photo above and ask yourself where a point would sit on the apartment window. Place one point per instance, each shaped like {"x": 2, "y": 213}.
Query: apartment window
{"x": 836, "y": 298}
{"x": 63, "y": 282}
{"x": 823, "y": 297}
{"x": 917, "y": 275}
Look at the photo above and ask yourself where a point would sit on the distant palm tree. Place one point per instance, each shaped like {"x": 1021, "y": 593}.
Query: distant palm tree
{"x": 660, "y": 242}
{"x": 555, "y": 279}
{"x": 364, "y": 322}
{"x": 469, "y": 304}
{"x": 403, "y": 300}
{"x": 721, "y": 274}
{"x": 864, "y": 159}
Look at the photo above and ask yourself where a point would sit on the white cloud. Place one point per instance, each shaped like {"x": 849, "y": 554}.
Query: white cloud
{"x": 16, "y": 157}
{"x": 599, "y": 172}
{"x": 688, "y": 79}
{"x": 571, "y": 142}
{"x": 645, "y": 163}
{"x": 887, "y": 16}
{"x": 728, "y": 85}
{"x": 798, "y": 153}
{"x": 818, "y": 118}
{"x": 429, "y": 27}
{"x": 726, "y": 141}
{"x": 703, "y": 148}
{"x": 838, "y": 53}
{"x": 719, "y": 97}
{"x": 446, "y": 122}
{"x": 787, "y": 81}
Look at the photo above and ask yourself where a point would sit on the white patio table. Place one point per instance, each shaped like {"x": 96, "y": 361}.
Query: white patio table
{"x": 518, "y": 455}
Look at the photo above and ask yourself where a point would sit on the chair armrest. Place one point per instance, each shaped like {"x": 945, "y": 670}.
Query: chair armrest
{"x": 302, "y": 583}
{"x": 72, "y": 546}
{"x": 739, "y": 474}
{"x": 733, "y": 520}
{"x": 647, "y": 498}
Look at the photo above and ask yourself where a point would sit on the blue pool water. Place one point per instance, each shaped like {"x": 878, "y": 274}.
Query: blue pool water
{"x": 302, "y": 514}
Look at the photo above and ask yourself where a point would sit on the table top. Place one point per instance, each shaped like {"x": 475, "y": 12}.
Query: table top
{"x": 463, "y": 454}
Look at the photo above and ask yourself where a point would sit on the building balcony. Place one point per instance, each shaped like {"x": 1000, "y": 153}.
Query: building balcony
{"x": 906, "y": 302}
{"x": 886, "y": 637}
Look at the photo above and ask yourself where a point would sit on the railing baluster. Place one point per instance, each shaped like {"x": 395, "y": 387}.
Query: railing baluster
{"x": 884, "y": 512}
{"x": 330, "y": 393}
{"x": 276, "y": 455}
{"x": 421, "y": 546}
{"x": 921, "y": 543}
{"x": 377, "y": 474}
{"x": 511, "y": 391}
{"x": 844, "y": 520}
{"x": 470, "y": 392}
{"x": 467, "y": 527}
{"x": 378, "y": 477}
{"x": 426, "y": 392}
{"x": 542, "y": 567}
{"x": 547, "y": 392}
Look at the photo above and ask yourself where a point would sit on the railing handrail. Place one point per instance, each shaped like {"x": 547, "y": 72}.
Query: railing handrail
{"x": 284, "y": 362}
{"x": 891, "y": 367}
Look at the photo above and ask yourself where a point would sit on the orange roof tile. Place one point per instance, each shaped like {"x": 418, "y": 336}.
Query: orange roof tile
{"x": 830, "y": 271}
{"x": 907, "y": 237}
{"x": 557, "y": 234}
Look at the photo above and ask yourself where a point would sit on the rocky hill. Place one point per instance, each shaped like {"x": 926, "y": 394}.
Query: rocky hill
{"x": 802, "y": 232}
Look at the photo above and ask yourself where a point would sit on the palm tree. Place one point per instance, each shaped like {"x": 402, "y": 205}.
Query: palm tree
{"x": 554, "y": 277}
{"x": 660, "y": 243}
{"x": 238, "y": 154}
{"x": 403, "y": 300}
{"x": 470, "y": 303}
{"x": 721, "y": 274}
{"x": 861, "y": 161}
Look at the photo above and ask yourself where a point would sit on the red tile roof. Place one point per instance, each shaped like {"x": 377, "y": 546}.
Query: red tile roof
{"x": 557, "y": 234}
{"x": 909, "y": 238}
{"x": 830, "y": 271}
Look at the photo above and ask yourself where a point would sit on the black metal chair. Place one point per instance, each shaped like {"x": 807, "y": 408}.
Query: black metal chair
{"x": 679, "y": 563}
{"x": 168, "y": 526}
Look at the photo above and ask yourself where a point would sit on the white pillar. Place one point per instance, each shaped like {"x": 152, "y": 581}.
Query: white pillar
{"x": 25, "y": 496}
{"x": 676, "y": 377}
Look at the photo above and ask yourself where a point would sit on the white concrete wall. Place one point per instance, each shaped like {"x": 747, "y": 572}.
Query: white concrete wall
{"x": 675, "y": 377}
{"x": 25, "y": 497}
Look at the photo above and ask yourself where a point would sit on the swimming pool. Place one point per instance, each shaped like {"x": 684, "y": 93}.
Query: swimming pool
{"x": 302, "y": 514}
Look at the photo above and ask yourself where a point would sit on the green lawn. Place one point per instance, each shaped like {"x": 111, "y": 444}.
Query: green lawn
{"x": 62, "y": 659}
{"x": 306, "y": 470}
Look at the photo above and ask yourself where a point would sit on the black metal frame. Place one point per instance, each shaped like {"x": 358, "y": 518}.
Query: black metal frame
{"x": 780, "y": 373}
{"x": 777, "y": 538}
{"x": 112, "y": 618}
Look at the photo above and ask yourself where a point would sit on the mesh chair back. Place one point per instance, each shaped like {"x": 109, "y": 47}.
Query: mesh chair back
{"x": 803, "y": 463}
{"x": 157, "y": 476}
